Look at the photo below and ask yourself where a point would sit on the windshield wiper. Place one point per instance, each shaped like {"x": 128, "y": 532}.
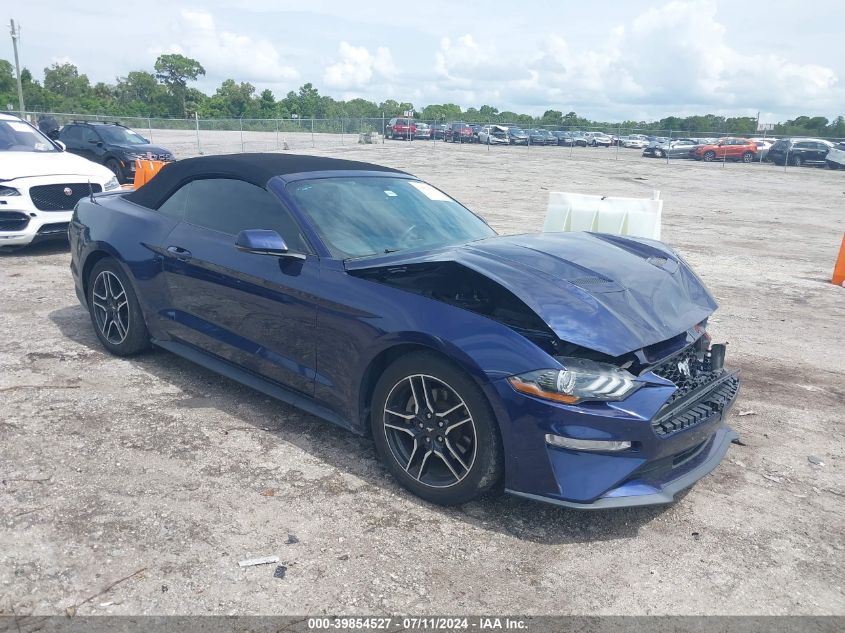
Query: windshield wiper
{"x": 392, "y": 250}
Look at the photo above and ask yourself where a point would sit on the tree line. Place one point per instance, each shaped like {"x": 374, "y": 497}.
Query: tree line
{"x": 165, "y": 92}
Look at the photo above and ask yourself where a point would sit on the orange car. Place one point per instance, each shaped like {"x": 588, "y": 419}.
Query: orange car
{"x": 727, "y": 148}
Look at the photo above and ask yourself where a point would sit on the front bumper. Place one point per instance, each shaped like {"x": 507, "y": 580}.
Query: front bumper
{"x": 675, "y": 441}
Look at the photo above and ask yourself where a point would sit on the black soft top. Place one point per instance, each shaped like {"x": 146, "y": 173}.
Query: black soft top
{"x": 254, "y": 168}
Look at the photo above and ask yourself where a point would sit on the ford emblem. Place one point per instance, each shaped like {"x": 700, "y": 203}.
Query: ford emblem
{"x": 68, "y": 191}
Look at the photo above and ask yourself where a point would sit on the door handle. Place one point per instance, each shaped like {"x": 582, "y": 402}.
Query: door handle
{"x": 179, "y": 253}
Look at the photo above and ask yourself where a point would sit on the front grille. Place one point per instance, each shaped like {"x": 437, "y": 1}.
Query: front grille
{"x": 62, "y": 197}
{"x": 13, "y": 221}
{"x": 699, "y": 409}
{"x": 689, "y": 370}
{"x": 54, "y": 228}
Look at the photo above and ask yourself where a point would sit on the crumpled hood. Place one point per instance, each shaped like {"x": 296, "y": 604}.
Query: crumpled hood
{"x": 608, "y": 293}
{"x": 15, "y": 165}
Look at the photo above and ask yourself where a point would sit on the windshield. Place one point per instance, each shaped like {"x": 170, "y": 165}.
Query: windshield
{"x": 121, "y": 136}
{"x": 357, "y": 217}
{"x": 17, "y": 136}
{"x": 516, "y": 130}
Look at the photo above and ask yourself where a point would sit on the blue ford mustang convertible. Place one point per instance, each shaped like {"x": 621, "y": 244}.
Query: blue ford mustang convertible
{"x": 572, "y": 368}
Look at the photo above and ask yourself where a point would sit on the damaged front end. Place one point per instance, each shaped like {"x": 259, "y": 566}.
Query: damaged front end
{"x": 629, "y": 406}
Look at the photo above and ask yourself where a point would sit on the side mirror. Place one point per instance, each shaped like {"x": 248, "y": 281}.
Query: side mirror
{"x": 262, "y": 242}
{"x": 62, "y": 147}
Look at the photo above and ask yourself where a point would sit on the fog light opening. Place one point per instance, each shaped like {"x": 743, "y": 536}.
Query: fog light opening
{"x": 587, "y": 445}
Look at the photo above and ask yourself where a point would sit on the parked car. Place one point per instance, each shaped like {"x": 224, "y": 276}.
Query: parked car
{"x": 636, "y": 141}
{"x": 597, "y": 139}
{"x": 800, "y": 151}
{"x": 763, "y": 147}
{"x": 423, "y": 131}
{"x": 438, "y": 130}
{"x": 563, "y": 138}
{"x": 40, "y": 183}
{"x": 458, "y": 132}
{"x": 836, "y": 157}
{"x": 493, "y": 135}
{"x": 517, "y": 136}
{"x": 727, "y": 149}
{"x": 476, "y": 128}
{"x": 548, "y": 137}
{"x": 676, "y": 148}
{"x": 400, "y": 128}
{"x": 571, "y": 368}
{"x": 579, "y": 139}
{"x": 536, "y": 137}
{"x": 112, "y": 145}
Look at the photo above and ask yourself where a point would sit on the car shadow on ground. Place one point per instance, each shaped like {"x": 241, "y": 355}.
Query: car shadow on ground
{"x": 41, "y": 249}
{"x": 356, "y": 455}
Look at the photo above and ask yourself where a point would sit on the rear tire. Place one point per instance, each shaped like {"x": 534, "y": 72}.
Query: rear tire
{"x": 798, "y": 161}
{"x": 747, "y": 157}
{"x": 115, "y": 311}
{"x": 434, "y": 430}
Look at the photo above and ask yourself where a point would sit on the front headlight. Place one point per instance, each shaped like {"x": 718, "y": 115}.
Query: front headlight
{"x": 6, "y": 192}
{"x": 581, "y": 380}
{"x": 111, "y": 184}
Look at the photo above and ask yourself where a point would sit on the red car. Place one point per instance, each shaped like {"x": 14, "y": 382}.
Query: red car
{"x": 458, "y": 133}
{"x": 402, "y": 128}
{"x": 727, "y": 149}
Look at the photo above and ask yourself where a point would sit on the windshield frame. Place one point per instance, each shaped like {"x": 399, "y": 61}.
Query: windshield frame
{"x": 280, "y": 186}
{"x": 38, "y": 134}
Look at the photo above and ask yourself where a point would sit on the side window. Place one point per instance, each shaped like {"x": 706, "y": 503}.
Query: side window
{"x": 174, "y": 206}
{"x": 89, "y": 135}
{"x": 71, "y": 133}
{"x": 231, "y": 206}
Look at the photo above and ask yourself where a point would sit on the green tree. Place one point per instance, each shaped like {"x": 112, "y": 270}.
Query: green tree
{"x": 175, "y": 71}
{"x": 64, "y": 80}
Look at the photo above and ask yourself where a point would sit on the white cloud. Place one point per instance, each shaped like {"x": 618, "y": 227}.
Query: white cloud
{"x": 672, "y": 57}
{"x": 357, "y": 67}
{"x": 225, "y": 54}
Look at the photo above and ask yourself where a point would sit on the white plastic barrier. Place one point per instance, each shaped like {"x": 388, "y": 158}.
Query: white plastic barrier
{"x": 638, "y": 217}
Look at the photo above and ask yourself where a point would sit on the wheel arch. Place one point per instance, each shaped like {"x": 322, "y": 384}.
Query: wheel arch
{"x": 384, "y": 358}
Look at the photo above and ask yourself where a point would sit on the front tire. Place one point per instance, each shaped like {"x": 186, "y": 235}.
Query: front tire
{"x": 434, "y": 430}
{"x": 709, "y": 156}
{"x": 747, "y": 157}
{"x": 798, "y": 161}
{"x": 115, "y": 311}
{"x": 115, "y": 168}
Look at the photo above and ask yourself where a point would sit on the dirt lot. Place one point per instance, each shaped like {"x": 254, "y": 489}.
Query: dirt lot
{"x": 111, "y": 466}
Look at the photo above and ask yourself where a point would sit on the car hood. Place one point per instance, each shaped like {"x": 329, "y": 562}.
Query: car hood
{"x": 143, "y": 148}
{"x": 14, "y": 165}
{"x": 605, "y": 292}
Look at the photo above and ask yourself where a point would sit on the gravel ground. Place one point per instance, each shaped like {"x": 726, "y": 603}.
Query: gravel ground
{"x": 110, "y": 466}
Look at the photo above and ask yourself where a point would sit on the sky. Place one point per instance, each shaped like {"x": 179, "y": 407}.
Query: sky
{"x": 605, "y": 59}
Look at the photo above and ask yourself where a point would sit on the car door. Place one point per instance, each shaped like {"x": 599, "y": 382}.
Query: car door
{"x": 819, "y": 152}
{"x": 91, "y": 146}
{"x": 71, "y": 136}
{"x": 256, "y": 311}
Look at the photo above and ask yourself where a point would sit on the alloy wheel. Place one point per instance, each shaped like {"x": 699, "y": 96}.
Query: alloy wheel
{"x": 430, "y": 431}
{"x": 111, "y": 307}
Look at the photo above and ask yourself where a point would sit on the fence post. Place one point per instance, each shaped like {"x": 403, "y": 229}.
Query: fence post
{"x": 618, "y": 139}
{"x": 342, "y": 142}
{"x": 241, "y": 125}
{"x": 150, "y": 128}
{"x": 197, "y": 121}
{"x": 312, "y": 130}
{"x": 277, "y": 134}
{"x": 382, "y": 127}
{"x": 669, "y": 147}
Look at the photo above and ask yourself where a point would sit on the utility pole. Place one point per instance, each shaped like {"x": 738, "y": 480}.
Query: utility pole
{"x": 16, "y": 34}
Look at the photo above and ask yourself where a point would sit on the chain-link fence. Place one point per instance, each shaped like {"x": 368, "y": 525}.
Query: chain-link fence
{"x": 197, "y": 136}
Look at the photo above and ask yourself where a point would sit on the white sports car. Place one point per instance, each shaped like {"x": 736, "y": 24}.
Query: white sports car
{"x": 40, "y": 184}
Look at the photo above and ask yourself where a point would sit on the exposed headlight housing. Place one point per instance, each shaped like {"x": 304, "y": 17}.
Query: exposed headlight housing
{"x": 111, "y": 184}
{"x": 6, "y": 192}
{"x": 581, "y": 380}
